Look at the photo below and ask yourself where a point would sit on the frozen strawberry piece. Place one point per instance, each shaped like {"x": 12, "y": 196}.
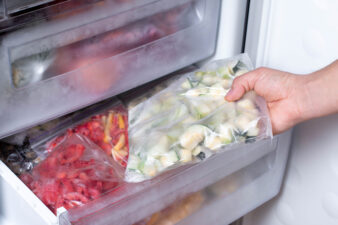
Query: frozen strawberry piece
{"x": 75, "y": 173}
{"x": 71, "y": 154}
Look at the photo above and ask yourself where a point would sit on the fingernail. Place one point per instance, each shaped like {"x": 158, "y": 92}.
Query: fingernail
{"x": 228, "y": 95}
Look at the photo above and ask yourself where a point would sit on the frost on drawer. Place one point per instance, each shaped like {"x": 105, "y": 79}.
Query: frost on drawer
{"x": 34, "y": 62}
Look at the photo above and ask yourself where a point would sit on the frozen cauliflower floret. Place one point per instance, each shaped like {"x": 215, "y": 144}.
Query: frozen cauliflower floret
{"x": 150, "y": 169}
{"x": 217, "y": 90}
{"x": 197, "y": 150}
{"x": 186, "y": 84}
{"x": 203, "y": 109}
{"x": 224, "y": 71}
{"x": 186, "y": 155}
{"x": 210, "y": 80}
{"x": 212, "y": 142}
{"x": 195, "y": 92}
{"x": 161, "y": 147}
{"x": 133, "y": 162}
{"x": 226, "y": 132}
{"x": 246, "y": 104}
{"x": 169, "y": 159}
{"x": 226, "y": 83}
{"x": 230, "y": 110}
{"x": 253, "y": 131}
{"x": 192, "y": 136}
{"x": 242, "y": 122}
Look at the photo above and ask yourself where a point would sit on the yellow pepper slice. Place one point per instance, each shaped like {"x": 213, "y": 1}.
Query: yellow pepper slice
{"x": 121, "y": 122}
{"x": 109, "y": 122}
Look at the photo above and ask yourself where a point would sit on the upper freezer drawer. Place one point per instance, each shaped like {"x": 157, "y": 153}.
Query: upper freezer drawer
{"x": 15, "y": 14}
{"x": 61, "y": 65}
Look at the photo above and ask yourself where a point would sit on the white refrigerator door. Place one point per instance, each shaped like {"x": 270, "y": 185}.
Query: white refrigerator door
{"x": 300, "y": 36}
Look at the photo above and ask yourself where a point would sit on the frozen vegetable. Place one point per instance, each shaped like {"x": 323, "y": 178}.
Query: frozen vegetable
{"x": 190, "y": 120}
{"x": 76, "y": 172}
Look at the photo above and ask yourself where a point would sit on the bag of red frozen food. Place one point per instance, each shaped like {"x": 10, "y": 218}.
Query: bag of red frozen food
{"x": 108, "y": 130}
{"x": 76, "y": 172}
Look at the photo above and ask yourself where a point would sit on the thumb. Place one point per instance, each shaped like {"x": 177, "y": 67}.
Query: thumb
{"x": 243, "y": 84}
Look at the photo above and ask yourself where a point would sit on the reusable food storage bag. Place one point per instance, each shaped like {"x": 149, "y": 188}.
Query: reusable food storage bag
{"x": 107, "y": 129}
{"x": 76, "y": 172}
{"x": 190, "y": 120}
{"x": 105, "y": 124}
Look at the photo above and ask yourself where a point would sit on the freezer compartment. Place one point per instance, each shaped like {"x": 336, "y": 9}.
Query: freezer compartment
{"x": 250, "y": 172}
{"x": 58, "y": 67}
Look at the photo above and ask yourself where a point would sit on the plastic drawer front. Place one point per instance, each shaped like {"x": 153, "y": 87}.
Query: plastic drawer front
{"x": 62, "y": 65}
{"x": 146, "y": 198}
{"x": 239, "y": 180}
{"x": 18, "y": 5}
{"x": 246, "y": 189}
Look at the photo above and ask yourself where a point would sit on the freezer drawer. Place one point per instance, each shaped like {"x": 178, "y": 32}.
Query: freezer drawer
{"x": 237, "y": 180}
{"x": 20, "y": 13}
{"x": 64, "y": 64}
{"x": 13, "y": 6}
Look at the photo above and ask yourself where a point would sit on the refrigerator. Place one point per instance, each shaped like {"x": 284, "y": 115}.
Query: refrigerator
{"x": 153, "y": 39}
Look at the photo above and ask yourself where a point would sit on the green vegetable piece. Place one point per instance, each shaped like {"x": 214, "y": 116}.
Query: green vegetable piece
{"x": 226, "y": 76}
{"x": 199, "y": 74}
{"x": 212, "y": 73}
{"x": 222, "y": 70}
{"x": 190, "y": 82}
{"x": 177, "y": 154}
{"x": 140, "y": 166}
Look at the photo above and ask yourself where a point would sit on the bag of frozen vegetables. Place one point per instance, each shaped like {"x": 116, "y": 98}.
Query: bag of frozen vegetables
{"x": 190, "y": 120}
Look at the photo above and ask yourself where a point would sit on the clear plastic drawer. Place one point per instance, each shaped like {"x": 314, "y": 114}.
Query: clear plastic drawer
{"x": 222, "y": 189}
{"x": 61, "y": 65}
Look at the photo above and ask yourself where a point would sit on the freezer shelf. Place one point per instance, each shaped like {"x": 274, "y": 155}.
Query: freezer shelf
{"x": 171, "y": 46}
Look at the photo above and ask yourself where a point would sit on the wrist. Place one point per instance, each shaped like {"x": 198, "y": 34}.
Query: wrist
{"x": 302, "y": 98}
{"x": 318, "y": 93}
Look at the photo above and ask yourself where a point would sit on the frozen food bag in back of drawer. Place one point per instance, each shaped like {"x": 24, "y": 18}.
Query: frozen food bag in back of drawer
{"x": 107, "y": 129}
{"x": 190, "y": 120}
{"x": 76, "y": 172}
{"x": 105, "y": 124}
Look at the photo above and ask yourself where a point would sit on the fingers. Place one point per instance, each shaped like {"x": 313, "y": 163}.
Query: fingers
{"x": 243, "y": 84}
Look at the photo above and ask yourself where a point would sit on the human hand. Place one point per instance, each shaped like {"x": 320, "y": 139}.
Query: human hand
{"x": 291, "y": 98}
{"x": 279, "y": 90}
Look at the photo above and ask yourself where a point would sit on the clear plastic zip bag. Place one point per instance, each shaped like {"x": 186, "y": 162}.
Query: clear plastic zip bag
{"x": 76, "y": 172}
{"x": 190, "y": 120}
